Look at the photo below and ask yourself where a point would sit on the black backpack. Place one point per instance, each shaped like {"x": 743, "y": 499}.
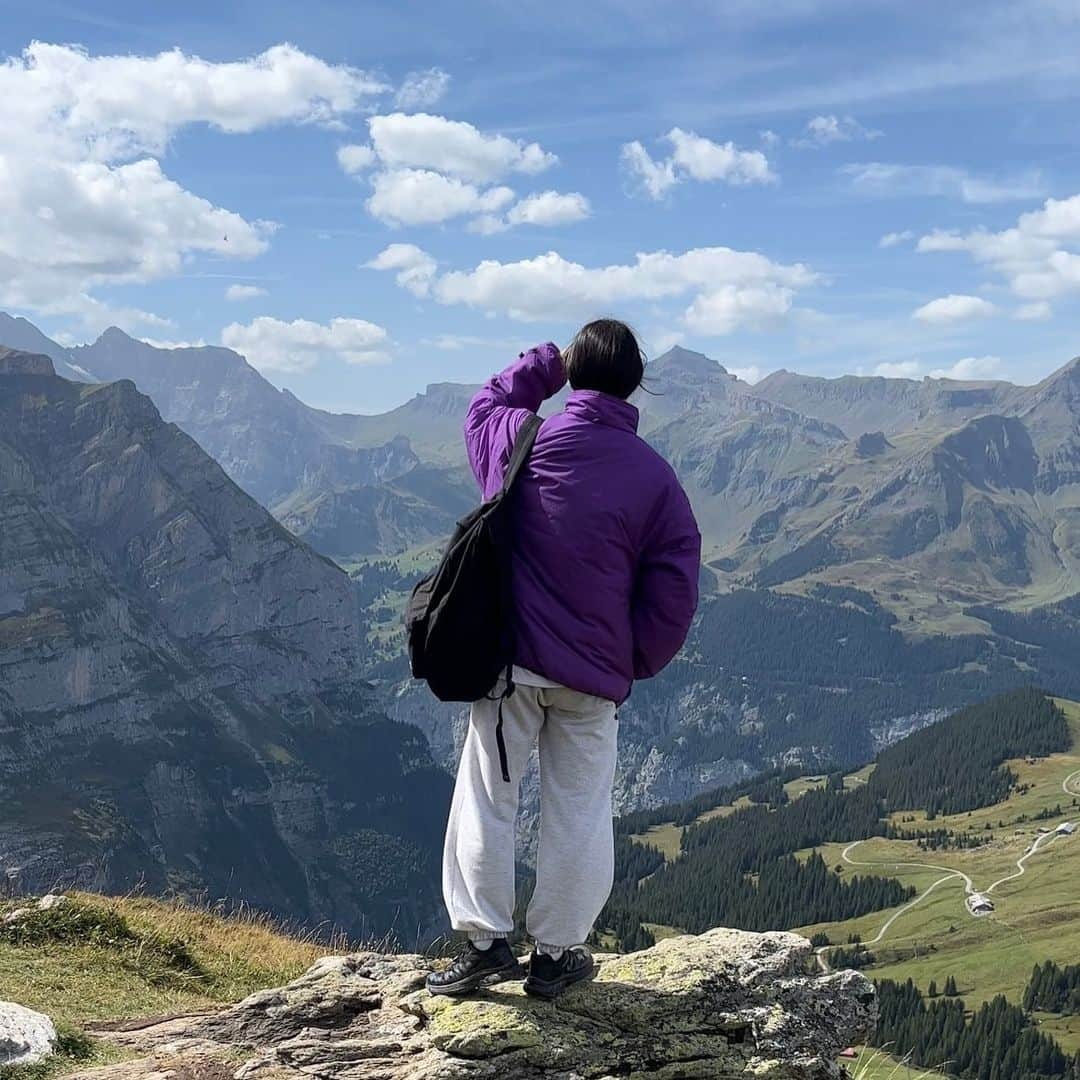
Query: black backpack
{"x": 459, "y": 618}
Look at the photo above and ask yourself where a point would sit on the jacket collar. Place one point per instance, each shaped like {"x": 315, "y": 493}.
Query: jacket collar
{"x": 600, "y": 408}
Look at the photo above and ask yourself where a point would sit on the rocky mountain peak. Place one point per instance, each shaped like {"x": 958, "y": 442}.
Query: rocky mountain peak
{"x": 688, "y": 361}
{"x": 113, "y": 335}
{"x": 17, "y": 362}
{"x": 1065, "y": 378}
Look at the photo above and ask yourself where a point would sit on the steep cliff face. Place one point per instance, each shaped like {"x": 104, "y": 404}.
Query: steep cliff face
{"x": 180, "y": 703}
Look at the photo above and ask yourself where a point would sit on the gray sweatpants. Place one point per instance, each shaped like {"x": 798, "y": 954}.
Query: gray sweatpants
{"x": 575, "y": 853}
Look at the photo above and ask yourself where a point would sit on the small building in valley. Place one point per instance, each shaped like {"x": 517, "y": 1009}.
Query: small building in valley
{"x": 1067, "y": 827}
{"x": 980, "y": 904}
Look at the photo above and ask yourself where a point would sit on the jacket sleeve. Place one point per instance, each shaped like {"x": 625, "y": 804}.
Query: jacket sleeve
{"x": 499, "y": 409}
{"x": 666, "y": 588}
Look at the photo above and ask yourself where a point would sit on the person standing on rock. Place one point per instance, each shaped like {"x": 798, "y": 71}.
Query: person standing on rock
{"x": 605, "y": 561}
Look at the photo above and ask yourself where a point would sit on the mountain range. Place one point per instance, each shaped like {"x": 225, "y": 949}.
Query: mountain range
{"x": 877, "y": 551}
{"x": 932, "y": 495}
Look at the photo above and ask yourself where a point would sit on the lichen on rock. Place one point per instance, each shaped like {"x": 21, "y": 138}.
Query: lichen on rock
{"x": 727, "y": 1003}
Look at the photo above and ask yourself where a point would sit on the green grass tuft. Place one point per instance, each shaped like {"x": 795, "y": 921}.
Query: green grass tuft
{"x": 75, "y": 922}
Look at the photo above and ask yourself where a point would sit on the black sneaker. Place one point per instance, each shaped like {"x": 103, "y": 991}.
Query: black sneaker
{"x": 475, "y": 968}
{"x": 548, "y": 977}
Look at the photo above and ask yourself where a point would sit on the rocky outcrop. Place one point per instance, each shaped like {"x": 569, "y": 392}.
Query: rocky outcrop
{"x": 725, "y": 1004}
{"x": 15, "y": 362}
{"x": 26, "y": 1036}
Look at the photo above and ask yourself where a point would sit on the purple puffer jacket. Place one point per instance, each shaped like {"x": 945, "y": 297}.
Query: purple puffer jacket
{"x": 606, "y": 548}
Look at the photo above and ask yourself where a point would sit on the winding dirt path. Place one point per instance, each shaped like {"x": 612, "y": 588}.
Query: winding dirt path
{"x": 1041, "y": 842}
{"x": 1070, "y": 785}
{"x": 1072, "y": 778}
{"x": 949, "y": 874}
{"x": 897, "y": 864}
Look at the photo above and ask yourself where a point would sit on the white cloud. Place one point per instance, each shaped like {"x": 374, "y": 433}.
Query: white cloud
{"x": 656, "y": 176}
{"x": 488, "y": 224}
{"x": 970, "y": 368}
{"x": 885, "y": 180}
{"x": 823, "y": 130}
{"x": 354, "y": 158}
{"x": 67, "y": 227}
{"x": 894, "y": 239}
{"x": 422, "y": 88}
{"x": 423, "y": 197}
{"x": 663, "y": 340}
{"x": 704, "y": 159}
{"x": 900, "y": 369}
{"x": 769, "y": 137}
{"x": 953, "y": 308}
{"x": 415, "y": 267}
{"x": 120, "y": 107}
{"x": 84, "y": 202}
{"x": 273, "y": 345}
{"x": 423, "y": 141}
{"x": 163, "y": 343}
{"x": 696, "y": 158}
{"x": 547, "y": 208}
{"x": 243, "y": 292}
{"x": 1033, "y": 255}
{"x": 1036, "y": 311}
{"x": 725, "y": 308}
{"x": 460, "y": 342}
{"x": 430, "y": 169}
{"x": 727, "y": 289}
{"x": 751, "y": 374}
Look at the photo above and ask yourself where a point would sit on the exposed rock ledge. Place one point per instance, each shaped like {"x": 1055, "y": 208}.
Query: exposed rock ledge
{"x": 725, "y": 1004}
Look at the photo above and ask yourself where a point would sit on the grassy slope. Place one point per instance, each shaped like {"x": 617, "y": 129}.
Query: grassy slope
{"x": 98, "y": 977}
{"x": 1037, "y": 916}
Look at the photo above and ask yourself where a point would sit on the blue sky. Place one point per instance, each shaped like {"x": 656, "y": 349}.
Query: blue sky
{"x": 720, "y": 175}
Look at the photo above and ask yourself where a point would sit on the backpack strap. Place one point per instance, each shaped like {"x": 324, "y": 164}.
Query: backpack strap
{"x": 523, "y": 445}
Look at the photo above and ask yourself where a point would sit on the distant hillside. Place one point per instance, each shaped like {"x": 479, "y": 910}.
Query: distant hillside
{"x": 182, "y": 707}
{"x": 859, "y": 404}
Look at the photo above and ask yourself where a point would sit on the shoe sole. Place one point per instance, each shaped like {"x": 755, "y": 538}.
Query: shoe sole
{"x": 551, "y": 990}
{"x": 478, "y": 982}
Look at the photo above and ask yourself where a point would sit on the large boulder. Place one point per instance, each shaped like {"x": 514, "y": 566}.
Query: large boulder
{"x": 725, "y": 1004}
{"x": 25, "y": 1036}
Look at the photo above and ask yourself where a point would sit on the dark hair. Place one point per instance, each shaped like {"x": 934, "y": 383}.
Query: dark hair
{"x": 605, "y": 356}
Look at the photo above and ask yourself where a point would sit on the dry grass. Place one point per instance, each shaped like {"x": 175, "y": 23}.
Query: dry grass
{"x": 100, "y": 958}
